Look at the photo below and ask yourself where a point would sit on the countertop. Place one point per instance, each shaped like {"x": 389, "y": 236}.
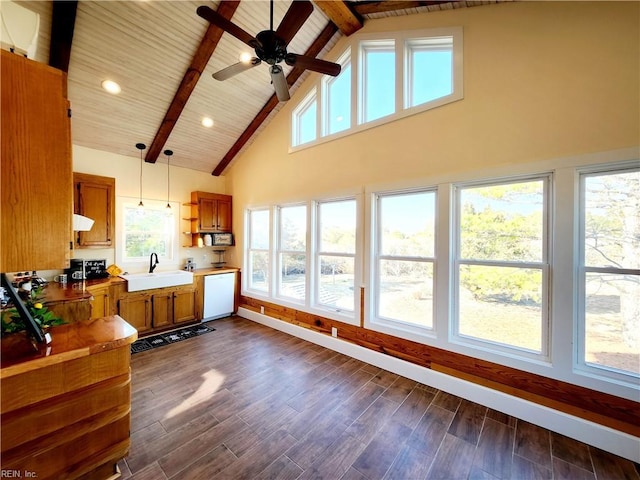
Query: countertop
{"x": 70, "y": 341}
{"x": 213, "y": 271}
{"x": 74, "y": 291}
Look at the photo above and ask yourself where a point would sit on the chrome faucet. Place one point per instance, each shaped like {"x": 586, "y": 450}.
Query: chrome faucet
{"x": 153, "y": 265}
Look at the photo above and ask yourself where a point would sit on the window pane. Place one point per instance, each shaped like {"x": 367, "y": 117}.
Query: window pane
{"x": 339, "y": 101}
{"x": 293, "y": 228}
{"x": 307, "y": 124}
{"x": 337, "y": 221}
{"x": 147, "y": 232}
{"x": 431, "y": 70}
{"x": 336, "y": 286}
{"x": 501, "y": 304}
{"x": 406, "y": 292}
{"x": 612, "y": 311}
{"x": 407, "y": 224}
{"x": 259, "y": 270}
{"x": 502, "y": 222}
{"x": 292, "y": 279}
{"x": 259, "y": 229}
{"x": 612, "y": 220}
{"x": 379, "y": 81}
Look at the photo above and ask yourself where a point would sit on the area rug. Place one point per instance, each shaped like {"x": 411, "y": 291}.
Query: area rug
{"x": 173, "y": 336}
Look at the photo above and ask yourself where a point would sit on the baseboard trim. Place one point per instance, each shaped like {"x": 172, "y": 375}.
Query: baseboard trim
{"x": 600, "y": 436}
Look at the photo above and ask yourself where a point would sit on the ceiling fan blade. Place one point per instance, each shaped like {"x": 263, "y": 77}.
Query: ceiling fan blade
{"x": 293, "y": 20}
{"x": 315, "y": 64}
{"x": 279, "y": 83}
{"x": 219, "y": 21}
{"x": 236, "y": 68}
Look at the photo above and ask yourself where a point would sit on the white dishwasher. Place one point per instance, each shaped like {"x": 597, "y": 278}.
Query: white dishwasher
{"x": 219, "y": 291}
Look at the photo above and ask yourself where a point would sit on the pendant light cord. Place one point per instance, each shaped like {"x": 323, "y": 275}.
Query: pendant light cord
{"x": 141, "y": 147}
{"x": 168, "y": 153}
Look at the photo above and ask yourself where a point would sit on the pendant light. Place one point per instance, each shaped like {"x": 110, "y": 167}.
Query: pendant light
{"x": 141, "y": 147}
{"x": 168, "y": 153}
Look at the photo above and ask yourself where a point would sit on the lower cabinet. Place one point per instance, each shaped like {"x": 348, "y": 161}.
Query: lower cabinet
{"x": 158, "y": 309}
{"x": 101, "y": 301}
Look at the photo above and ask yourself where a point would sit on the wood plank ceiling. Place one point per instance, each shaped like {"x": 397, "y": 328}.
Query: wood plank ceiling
{"x": 163, "y": 55}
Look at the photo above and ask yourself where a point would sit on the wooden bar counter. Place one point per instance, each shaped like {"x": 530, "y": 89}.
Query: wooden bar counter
{"x": 65, "y": 407}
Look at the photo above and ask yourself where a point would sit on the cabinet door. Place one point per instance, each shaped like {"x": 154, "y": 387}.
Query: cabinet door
{"x": 94, "y": 197}
{"x": 100, "y": 305}
{"x": 36, "y": 174}
{"x": 208, "y": 215}
{"x": 224, "y": 216}
{"x": 135, "y": 309}
{"x": 162, "y": 309}
{"x": 184, "y": 306}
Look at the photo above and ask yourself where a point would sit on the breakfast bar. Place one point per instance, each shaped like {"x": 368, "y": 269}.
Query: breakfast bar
{"x": 66, "y": 406}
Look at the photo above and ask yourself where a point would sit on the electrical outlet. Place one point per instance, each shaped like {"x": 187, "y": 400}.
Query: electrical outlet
{"x": 262, "y": 309}
{"x": 334, "y": 331}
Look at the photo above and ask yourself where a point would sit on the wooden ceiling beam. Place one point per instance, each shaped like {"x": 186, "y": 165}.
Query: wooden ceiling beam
{"x": 339, "y": 13}
{"x": 199, "y": 62}
{"x": 366, "y": 7}
{"x": 63, "y": 21}
{"x": 316, "y": 47}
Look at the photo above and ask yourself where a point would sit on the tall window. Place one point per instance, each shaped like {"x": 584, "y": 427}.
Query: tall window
{"x": 338, "y": 99}
{"x": 292, "y": 252}
{"x": 502, "y": 264}
{"x": 430, "y": 68}
{"x": 147, "y": 231}
{"x": 378, "y": 79}
{"x": 335, "y": 255}
{"x": 258, "y": 261}
{"x": 305, "y": 120}
{"x": 610, "y": 270}
{"x": 404, "y": 258}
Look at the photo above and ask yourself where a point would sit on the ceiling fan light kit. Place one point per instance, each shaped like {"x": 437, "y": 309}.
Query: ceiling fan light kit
{"x": 271, "y": 46}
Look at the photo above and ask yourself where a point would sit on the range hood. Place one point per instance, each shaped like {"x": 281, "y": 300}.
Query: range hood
{"x": 19, "y": 28}
{"x": 82, "y": 223}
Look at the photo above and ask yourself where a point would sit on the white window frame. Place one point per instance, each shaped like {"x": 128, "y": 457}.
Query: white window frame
{"x": 401, "y": 40}
{"x": 432, "y": 44}
{"x": 315, "y": 304}
{"x": 375, "y": 321}
{"x": 385, "y": 44}
{"x": 544, "y": 266}
{"x": 580, "y": 363}
{"x": 136, "y": 264}
{"x": 327, "y": 81}
{"x": 249, "y": 250}
{"x": 304, "y": 106}
{"x": 279, "y": 252}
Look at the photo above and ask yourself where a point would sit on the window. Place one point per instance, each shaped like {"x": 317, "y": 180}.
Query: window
{"x": 610, "y": 271}
{"x": 392, "y": 75}
{"x": 258, "y": 261}
{"x": 501, "y": 264}
{"x": 146, "y": 231}
{"x": 304, "y": 120}
{"x": 378, "y": 79}
{"x": 404, "y": 258}
{"x": 430, "y": 70}
{"x": 338, "y": 99}
{"x": 335, "y": 255}
{"x": 292, "y": 252}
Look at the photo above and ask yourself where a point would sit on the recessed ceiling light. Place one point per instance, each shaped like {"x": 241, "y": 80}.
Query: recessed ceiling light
{"x": 245, "y": 57}
{"x": 111, "y": 87}
{"x": 207, "y": 122}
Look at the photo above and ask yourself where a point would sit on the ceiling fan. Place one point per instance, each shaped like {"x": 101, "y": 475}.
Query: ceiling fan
{"x": 271, "y": 46}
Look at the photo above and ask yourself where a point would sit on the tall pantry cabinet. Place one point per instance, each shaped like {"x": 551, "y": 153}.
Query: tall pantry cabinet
{"x": 36, "y": 169}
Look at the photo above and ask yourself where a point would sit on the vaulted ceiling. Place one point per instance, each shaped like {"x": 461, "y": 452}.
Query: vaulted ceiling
{"x": 163, "y": 56}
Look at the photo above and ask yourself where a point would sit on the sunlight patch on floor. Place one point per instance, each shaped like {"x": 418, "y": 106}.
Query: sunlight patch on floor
{"x": 213, "y": 380}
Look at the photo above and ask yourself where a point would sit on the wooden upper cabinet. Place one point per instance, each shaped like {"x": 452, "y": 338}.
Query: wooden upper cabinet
{"x": 94, "y": 197}
{"x": 211, "y": 212}
{"x": 36, "y": 170}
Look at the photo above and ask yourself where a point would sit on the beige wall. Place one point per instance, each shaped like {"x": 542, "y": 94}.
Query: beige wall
{"x": 542, "y": 80}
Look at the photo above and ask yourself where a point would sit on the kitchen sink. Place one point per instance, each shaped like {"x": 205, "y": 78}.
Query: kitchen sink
{"x": 146, "y": 281}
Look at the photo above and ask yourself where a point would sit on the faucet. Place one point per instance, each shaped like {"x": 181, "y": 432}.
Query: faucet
{"x": 153, "y": 265}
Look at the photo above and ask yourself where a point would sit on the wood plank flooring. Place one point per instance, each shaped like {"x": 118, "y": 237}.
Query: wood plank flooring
{"x": 249, "y": 402}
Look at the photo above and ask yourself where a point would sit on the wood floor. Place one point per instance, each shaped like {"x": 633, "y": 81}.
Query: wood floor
{"x": 249, "y": 402}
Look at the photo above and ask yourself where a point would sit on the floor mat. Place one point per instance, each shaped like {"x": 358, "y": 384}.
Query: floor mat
{"x": 173, "y": 336}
